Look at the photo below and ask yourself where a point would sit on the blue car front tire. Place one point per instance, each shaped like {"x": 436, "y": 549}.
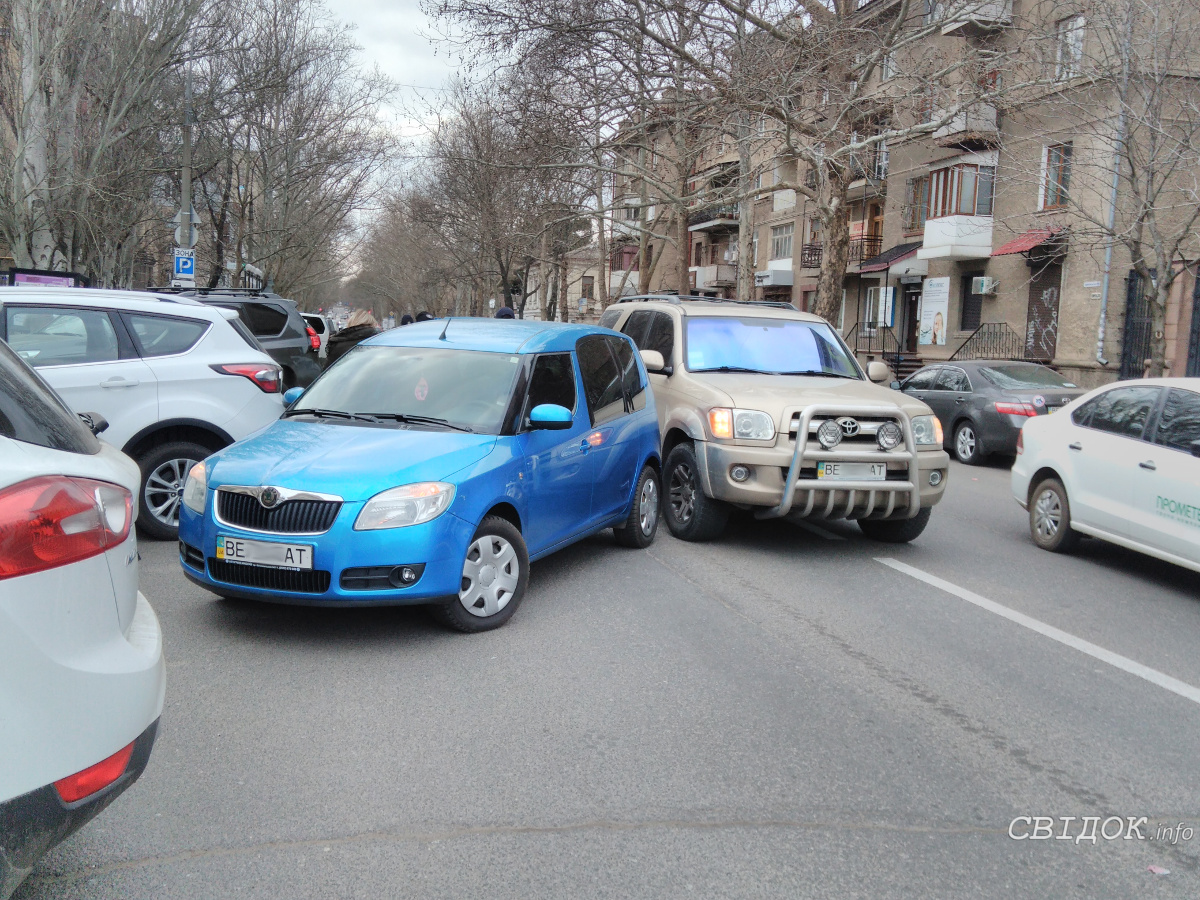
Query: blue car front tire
{"x": 495, "y": 575}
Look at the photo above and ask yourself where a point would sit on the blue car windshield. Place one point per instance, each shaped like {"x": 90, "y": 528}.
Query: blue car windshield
{"x": 464, "y": 389}
{"x": 774, "y": 346}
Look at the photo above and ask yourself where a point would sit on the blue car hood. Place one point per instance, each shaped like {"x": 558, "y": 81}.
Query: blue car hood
{"x": 352, "y": 461}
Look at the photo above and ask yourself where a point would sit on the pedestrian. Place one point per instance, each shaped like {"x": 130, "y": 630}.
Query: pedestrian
{"x": 424, "y": 316}
{"x": 361, "y": 326}
{"x": 406, "y": 319}
{"x": 505, "y": 312}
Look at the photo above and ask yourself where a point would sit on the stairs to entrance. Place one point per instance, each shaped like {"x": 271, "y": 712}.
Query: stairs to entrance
{"x": 906, "y": 364}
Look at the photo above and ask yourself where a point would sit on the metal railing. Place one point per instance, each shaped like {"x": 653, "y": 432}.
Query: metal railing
{"x": 712, "y": 212}
{"x": 864, "y": 248}
{"x": 810, "y": 256}
{"x": 875, "y": 338}
{"x": 992, "y": 340}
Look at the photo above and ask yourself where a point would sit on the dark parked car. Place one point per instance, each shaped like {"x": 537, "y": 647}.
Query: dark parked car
{"x": 983, "y": 403}
{"x": 279, "y": 327}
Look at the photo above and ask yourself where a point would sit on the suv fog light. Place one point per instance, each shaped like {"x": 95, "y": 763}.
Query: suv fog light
{"x": 935, "y": 478}
{"x": 889, "y": 436}
{"x": 739, "y": 473}
{"x": 829, "y": 434}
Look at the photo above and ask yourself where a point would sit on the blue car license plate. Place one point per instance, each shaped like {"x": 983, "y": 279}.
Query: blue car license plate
{"x": 264, "y": 553}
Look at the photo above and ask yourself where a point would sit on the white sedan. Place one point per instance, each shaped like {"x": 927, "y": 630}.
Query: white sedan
{"x": 81, "y": 664}
{"x": 1121, "y": 463}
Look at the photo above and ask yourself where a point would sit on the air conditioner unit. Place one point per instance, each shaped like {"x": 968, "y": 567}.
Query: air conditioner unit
{"x": 981, "y": 284}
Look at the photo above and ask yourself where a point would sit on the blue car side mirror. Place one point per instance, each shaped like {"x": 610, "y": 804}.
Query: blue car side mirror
{"x": 291, "y": 395}
{"x": 551, "y": 416}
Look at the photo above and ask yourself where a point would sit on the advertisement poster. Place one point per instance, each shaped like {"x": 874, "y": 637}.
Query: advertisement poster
{"x": 935, "y": 311}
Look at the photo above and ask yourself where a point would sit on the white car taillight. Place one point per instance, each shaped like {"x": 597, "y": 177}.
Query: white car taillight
{"x": 54, "y": 520}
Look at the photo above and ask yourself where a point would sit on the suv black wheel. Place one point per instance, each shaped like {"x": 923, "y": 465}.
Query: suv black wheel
{"x": 896, "y": 531}
{"x": 164, "y": 471}
{"x": 495, "y": 575}
{"x": 690, "y": 514}
{"x": 1050, "y": 517}
{"x": 967, "y": 446}
{"x": 641, "y": 526}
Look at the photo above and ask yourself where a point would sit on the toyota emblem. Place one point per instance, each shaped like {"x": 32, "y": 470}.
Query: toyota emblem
{"x": 848, "y": 425}
{"x": 269, "y": 497}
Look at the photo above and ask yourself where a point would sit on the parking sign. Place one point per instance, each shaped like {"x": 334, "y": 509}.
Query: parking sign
{"x": 185, "y": 268}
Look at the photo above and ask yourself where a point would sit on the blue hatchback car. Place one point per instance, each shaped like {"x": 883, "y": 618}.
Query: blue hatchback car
{"x": 430, "y": 465}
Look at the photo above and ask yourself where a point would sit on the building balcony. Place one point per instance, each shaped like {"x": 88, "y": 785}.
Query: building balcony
{"x": 721, "y": 275}
{"x": 615, "y": 279}
{"x": 975, "y": 125}
{"x": 714, "y": 217}
{"x": 810, "y": 256}
{"x": 864, "y": 248}
{"x": 781, "y": 200}
{"x": 961, "y": 16}
{"x": 957, "y": 237}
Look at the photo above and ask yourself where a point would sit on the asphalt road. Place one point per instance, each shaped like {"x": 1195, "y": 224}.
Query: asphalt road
{"x": 777, "y": 714}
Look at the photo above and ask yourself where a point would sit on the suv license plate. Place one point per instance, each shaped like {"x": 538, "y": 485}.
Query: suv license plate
{"x": 264, "y": 553}
{"x": 840, "y": 471}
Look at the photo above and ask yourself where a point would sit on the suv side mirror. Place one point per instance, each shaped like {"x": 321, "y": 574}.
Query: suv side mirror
{"x": 878, "y": 371}
{"x": 291, "y": 395}
{"x": 550, "y": 417}
{"x": 655, "y": 363}
{"x": 95, "y": 422}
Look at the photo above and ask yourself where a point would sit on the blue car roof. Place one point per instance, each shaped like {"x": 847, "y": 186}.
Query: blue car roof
{"x": 495, "y": 335}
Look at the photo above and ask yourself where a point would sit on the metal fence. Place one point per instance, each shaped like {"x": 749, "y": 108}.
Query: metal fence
{"x": 992, "y": 340}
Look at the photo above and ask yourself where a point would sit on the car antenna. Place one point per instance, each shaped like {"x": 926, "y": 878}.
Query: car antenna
{"x": 442, "y": 336}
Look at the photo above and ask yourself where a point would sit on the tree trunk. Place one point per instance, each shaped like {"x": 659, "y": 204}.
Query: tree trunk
{"x": 835, "y": 222}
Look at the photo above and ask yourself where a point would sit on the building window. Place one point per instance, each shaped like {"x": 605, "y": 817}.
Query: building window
{"x": 753, "y": 262}
{"x": 698, "y": 255}
{"x": 814, "y": 231}
{"x": 916, "y": 203}
{"x": 963, "y": 190}
{"x": 588, "y": 291}
{"x": 1069, "y": 48}
{"x": 887, "y": 68}
{"x": 781, "y": 241}
{"x": 631, "y": 213}
{"x": 1058, "y": 176}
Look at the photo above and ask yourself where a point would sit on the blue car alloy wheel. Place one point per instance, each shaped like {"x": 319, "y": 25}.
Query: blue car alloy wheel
{"x": 430, "y": 466}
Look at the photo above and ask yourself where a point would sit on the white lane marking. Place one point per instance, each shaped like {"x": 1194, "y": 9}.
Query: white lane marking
{"x": 817, "y": 530}
{"x": 1124, "y": 663}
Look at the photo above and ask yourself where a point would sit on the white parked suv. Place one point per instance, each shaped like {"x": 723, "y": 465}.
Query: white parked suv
{"x": 81, "y": 665}
{"x": 176, "y": 379}
{"x": 1121, "y": 463}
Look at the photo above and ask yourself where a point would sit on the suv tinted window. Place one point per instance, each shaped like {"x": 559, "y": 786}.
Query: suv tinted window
{"x": 53, "y": 336}
{"x": 264, "y": 319}
{"x": 166, "y": 335}
{"x": 609, "y": 319}
{"x": 1123, "y": 411}
{"x": 922, "y": 381}
{"x": 631, "y": 376}
{"x": 553, "y": 381}
{"x": 32, "y": 413}
{"x": 635, "y": 326}
{"x": 602, "y": 381}
{"x": 1179, "y": 421}
{"x": 316, "y": 323}
{"x": 661, "y": 336}
{"x": 953, "y": 380}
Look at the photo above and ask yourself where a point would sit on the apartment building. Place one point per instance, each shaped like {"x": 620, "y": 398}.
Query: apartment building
{"x": 965, "y": 241}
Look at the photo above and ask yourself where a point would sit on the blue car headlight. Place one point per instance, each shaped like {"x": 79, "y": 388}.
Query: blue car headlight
{"x": 409, "y": 504}
{"x": 194, "y": 489}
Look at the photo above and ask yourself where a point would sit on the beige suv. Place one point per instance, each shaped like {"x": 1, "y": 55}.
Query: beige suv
{"x": 763, "y": 407}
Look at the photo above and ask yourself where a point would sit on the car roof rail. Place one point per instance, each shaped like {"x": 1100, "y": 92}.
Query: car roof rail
{"x": 218, "y": 292}
{"x": 678, "y": 298}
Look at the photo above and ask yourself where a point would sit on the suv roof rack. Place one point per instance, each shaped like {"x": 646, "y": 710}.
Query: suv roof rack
{"x": 217, "y": 292}
{"x": 677, "y": 298}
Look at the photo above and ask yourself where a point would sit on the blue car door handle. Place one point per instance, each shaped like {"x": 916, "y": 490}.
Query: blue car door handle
{"x": 584, "y": 446}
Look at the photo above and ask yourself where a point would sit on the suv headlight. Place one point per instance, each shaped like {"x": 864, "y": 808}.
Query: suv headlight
{"x": 927, "y": 431}
{"x": 743, "y": 424}
{"x": 195, "y": 488}
{"x": 409, "y": 504}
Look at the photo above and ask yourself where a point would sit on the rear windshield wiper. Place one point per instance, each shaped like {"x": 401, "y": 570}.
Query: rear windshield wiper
{"x": 818, "y": 374}
{"x": 331, "y": 414}
{"x": 420, "y": 420}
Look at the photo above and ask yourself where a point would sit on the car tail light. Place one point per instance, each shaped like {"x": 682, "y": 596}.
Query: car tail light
{"x": 94, "y": 778}
{"x": 314, "y": 339}
{"x": 1008, "y": 408}
{"x": 54, "y": 520}
{"x": 266, "y": 378}
{"x": 1020, "y": 442}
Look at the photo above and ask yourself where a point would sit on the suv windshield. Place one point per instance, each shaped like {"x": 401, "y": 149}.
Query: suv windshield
{"x": 462, "y": 389}
{"x": 771, "y": 346}
{"x": 1015, "y": 378}
{"x": 32, "y": 413}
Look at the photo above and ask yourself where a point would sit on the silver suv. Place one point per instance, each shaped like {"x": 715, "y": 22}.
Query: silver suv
{"x": 763, "y": 407}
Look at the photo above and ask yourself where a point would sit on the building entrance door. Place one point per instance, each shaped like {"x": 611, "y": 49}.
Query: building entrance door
{"x": 912, "y": 317}
{"x": 1041, "y": 330}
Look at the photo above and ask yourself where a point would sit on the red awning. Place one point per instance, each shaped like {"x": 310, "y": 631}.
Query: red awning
{"x": 889, "y": 257}
{"x": 1026, "y": 242}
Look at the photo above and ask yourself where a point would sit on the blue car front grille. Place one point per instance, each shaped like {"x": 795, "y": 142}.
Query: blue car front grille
{"x": 300, "y": 581}
{"x": 289, "y": 517}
